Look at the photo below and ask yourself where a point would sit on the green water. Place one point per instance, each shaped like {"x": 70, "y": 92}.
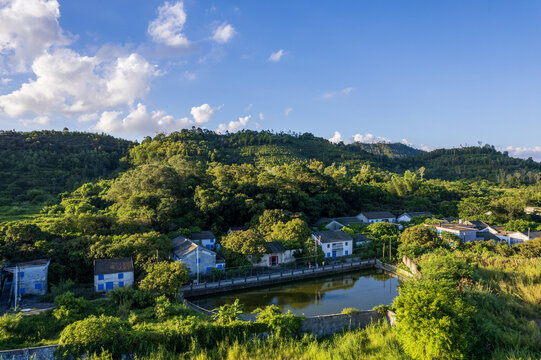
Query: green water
{"x": 326, "y": 295}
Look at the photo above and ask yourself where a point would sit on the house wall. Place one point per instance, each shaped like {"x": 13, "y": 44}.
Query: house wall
{"x": 365, "y": 220}
{"x": 207, "y": 243}
{"x": 127, "y": 280}
{"x": 334, "y": 225}
{"x": 283, "y": 258}
{"x": 207, "y": 261}
{"x": 404, "y": 218}
{"x": 343, "y": 251}
{"x": 33, "y": 279}
{"x": 466, "y": 236}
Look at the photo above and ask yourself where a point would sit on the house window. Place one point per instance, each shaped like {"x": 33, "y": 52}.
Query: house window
{"x": 21, "y": 274}
{"x": 209, "y": 269}
{"x": 100, "y": 287}
{"x": 212, "y": 240}
{"x": 37, "y": 286}
{"x": 121, "y": 275}
{"x": 346, "y": 252}
{"x": 219, "y": 266}
{"x": 100, "y": 277}
{"x": 328, "y": 254}
{"x": 328, "y": 246}
{"x": 199, "y": 260}
{"x": 346, "y": 244}
{"x": 121, "y": 284}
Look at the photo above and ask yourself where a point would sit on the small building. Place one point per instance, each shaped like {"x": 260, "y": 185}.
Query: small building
{"x": 236, "y": 228}
{"x": 205, "y": 238}
{"x": 360, "y": 239}
{"x": 521, "y": 236}
{"x": 110, "y": 274}
{"x": 29, "y": 277}
{"x": 196, "y": 257}
{"x": 276, "y": 255}
{"x": 406, "y": 217}
{"x": 464, "y": 232}
{"x": 334, "y": 243}
{"x": 376, "y": 216}
{"x": 334, "y": 225}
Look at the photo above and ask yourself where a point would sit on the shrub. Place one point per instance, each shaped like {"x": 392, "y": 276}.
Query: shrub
{"x": 349, "y": 311}
{"x": 287, "y": 324}
{"x": 382, "y": 309}
{"x": 69, "y": 308}
{"x": 165, "y": 278}
{"x": 228, "y": 313}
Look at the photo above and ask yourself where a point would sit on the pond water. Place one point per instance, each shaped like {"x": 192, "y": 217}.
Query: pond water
{"x": 326, "y": 295}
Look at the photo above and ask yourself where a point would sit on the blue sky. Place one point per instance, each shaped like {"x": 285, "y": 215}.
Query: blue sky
{"x": 428, "y": 73}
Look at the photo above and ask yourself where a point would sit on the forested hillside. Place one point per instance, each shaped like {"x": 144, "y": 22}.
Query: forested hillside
{"x": 35, "y": 166}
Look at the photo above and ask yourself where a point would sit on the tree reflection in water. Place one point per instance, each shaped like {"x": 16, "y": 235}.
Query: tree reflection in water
{"x": 326, "y": 295}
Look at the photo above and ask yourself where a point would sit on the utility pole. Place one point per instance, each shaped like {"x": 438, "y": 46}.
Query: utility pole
{"x": 390, "y": 247}
{"x": 383, "y": 257}
{"x": 197, "y": 264}
{"x": 315, "y": 251}
{"x": 157, "y": 256}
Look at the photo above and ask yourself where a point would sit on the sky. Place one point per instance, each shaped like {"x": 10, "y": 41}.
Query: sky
{"x": 430, "y": 74}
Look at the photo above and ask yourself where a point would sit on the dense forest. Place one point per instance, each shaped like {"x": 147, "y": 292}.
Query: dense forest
{"x": 111, "y": 198}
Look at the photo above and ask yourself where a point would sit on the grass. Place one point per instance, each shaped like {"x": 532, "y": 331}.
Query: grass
{"x": 21, "y": 212}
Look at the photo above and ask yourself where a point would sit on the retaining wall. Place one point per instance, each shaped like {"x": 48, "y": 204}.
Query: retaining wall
{"x": 34, "y": 353}
{"x": 411, "y": 265}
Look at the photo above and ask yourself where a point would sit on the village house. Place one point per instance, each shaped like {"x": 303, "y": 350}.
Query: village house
{"x": 376, "y": 216}
{"x": 360, "y": 239}
{"x": 406, "y": 217}
{"x": 110, "y": 274}
{"x": 464, "y": 232}
{"x": 334, "y": 243}
{"x": 198, "y": 259}
{"x": 236, "y": 228}
{"x": 29, "y": 277}
{"x": 276, "y": 255}
{"x": 205, "y": 238}
{"x": 521, "y": 236}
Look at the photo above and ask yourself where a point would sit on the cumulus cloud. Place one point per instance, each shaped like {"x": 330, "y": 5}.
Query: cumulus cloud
{"x": 276, "y": 56}
{"x": 167, "y": 27}
{"x": 189, "y": 75}
{"x": 71, "y": 84}
{"x": 523, "y": 152}
{"x": 5, "y": 81}
{"x": 288, "y": 111}
{"x": 234, "y": 125}
{"x": 369, "y": 139}
{"x": 406, "y": 142}
{"x": 332, "y": 94}
{"x": 39, "y": 120}
{"x": 140, "y": 121}
{"x": 261, "y": 116}
{"x": 223, "y": 33}
{"x": 87, "y": 117}
{"x": 28, "y": 28}
{"x": 337, "y": 138}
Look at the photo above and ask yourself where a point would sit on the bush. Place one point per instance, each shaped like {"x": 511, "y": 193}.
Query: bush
{"x": 131, "y": 298}
{"x": 165, "y": 278}
{"x": 288, "y": 324}
{"x": 349, "y": 311}
{"x": 382, "y": 309}
{"x": 95, "y": 334}
{"x": 69, "y": 308}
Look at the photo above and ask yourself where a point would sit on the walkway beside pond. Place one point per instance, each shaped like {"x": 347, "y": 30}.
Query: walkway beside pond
{"x": 285, "y": 275}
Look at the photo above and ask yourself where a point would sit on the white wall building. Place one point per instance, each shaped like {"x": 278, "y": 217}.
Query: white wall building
{"x": 376, "y": 216}
{"x": 30, "y": 277}
{"x": 276, "y": 255}
{"x": 406, "y": 217}
{"x": 205, "y": 238}
{"x": 334, "y": 243}
{"x": 110, "y": 274}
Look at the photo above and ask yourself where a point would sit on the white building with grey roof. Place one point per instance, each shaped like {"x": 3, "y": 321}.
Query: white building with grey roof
{"x": 110, "y": 274}
{"x": 197, "y": 258}
{"x": 334, "y": 243}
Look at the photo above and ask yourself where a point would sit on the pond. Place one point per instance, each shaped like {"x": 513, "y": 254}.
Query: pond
{"x": 326, "y": 295}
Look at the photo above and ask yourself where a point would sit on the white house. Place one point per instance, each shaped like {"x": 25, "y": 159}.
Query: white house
{"x": 275, "y": 255}
{"x": 521, "y": 236}
{"x": 406, "y": 217}
{"x": 376, "y": 216}
{"x": 196, "y": 257}
{"x": 30, "y": 277}
{"x": 464, "y": 232}
{"x": 334, "y": 243}
{"x": 110, "y": 274}
{"x": 205, "y": 238}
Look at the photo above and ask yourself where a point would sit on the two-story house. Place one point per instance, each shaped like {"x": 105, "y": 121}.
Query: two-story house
{"x": 334, "y": 243}
{"x": 110, "y": 274}
{"x": 196, "y": 257}
{"x": 30, "y": 277}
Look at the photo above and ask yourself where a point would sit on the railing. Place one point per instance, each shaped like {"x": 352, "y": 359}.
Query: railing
{"x": 279, "y": 273}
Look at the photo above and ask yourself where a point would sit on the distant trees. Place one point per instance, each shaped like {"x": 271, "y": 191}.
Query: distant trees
{"x": 249, "y": 242}
{"x": 165, "y": 278}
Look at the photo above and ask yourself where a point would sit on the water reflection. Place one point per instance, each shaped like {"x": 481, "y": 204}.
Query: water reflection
{"x": 326, "y": 295}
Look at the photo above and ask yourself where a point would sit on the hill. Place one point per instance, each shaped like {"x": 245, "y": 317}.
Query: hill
{"x": 37, "y": 165}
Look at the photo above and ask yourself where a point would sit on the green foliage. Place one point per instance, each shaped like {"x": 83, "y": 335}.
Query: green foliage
{"x": 291, "y": 234}
{"x": 520, "y": 225}
{"x": 416, "y": 240}
{"x": 249, "y": 242}
{"x": 382, "y": 229}
{"x": 163, "y": 308}
{"x": 165, "y": 278}
{"x": 129, "y": 297}
{"x": 382, "y": 309}
{"x": 433, "y": 321}
{"x": 445, "y": 267}
{"x": 349, "y": 311}
{"x": 69, "y": 308}
{"x": 228, "y": 313}
{"x": 282, "y": 325}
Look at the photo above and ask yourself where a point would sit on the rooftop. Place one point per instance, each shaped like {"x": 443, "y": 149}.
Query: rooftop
{"x": 274, "y": 247}
{"x": 378, "y": 215}
{"x": 417, "y": 213}
{"x": 112, "y": 266}
{"x": 182, "y": 246}
{"x": 202, "y": 235}
{"x": 333, "y": 236}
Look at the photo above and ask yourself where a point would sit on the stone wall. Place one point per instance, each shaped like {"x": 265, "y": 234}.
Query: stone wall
{"x": 323, "y": 325}
{"x": 411, "y": 265}
{"x": 35, "y": 353}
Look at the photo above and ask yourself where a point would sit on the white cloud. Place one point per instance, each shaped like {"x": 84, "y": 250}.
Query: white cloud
{"x": 167, "y": 27}
{"x": 39, "y": 120}
{"x": 425, "y": 147}
{"x": 337, "y": 138}
{"x": 332, "y": 94}
{"x": 5, "y": 81}
{"x": 276, "y": 56}
{"x": 369, "y": 139}
{"x": 288, "y": 111}
{"x": 523, "y": 152}
{"x": 223, "y": 33}
{"x": 28, "y": 28}
{"x": 261, "y": 116}
{"x": 234, "y": 125}
{"x": 202, "y": 114}
{"x": 189, "y": 75}
{"x": 71, "y": 84}
{"x": 406, "y": 142}
{"x": 87, "y": 117}
{"x": 139, "y": 121}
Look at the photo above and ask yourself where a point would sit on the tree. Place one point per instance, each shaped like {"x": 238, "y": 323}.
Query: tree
{"x": 228, "y": 313}
{"x": 381, "y": 229}
{"x": 248, "y": 242}
{"x": 291, "y": 234}
{"x": 165, "y": 278}
{"x": 433, "y": 321}
{"x": 520, "y": 225}
{"x": 269, "y": 218}
{"x": 419, "y": 235}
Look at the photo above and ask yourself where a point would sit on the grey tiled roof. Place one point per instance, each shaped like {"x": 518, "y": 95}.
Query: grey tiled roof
{"x": 112, "y": 266}
{"x": 378, "y": 215}
{"x": 203, "y": 235}
{"x": 333, "y": 236}
{"x": 274, "y": 247}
